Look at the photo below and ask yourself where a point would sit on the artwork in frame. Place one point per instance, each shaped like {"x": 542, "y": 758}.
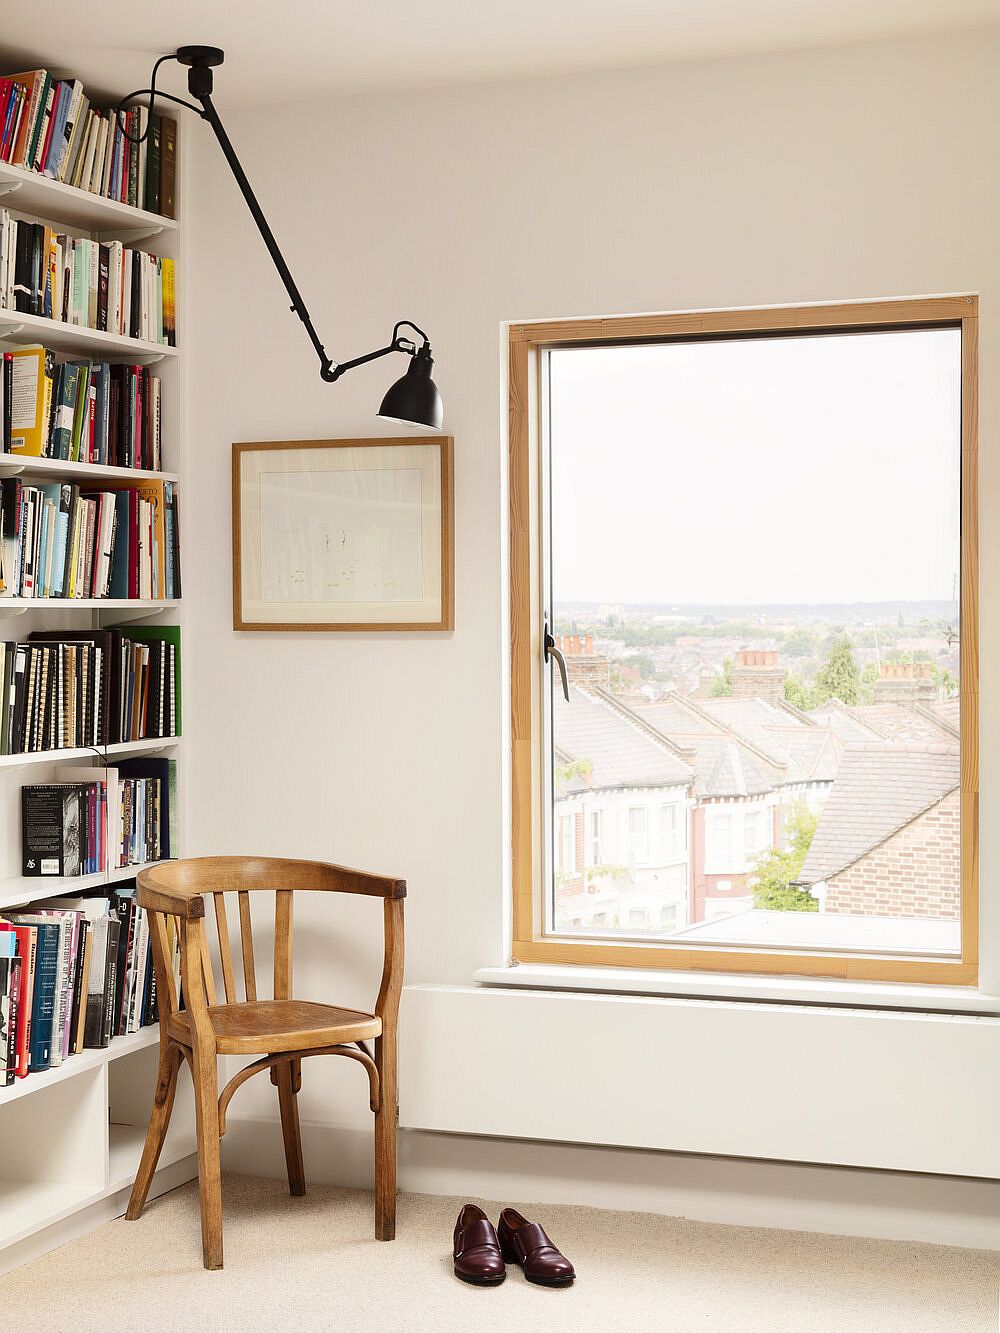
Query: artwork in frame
{"x": 343, "y": 534}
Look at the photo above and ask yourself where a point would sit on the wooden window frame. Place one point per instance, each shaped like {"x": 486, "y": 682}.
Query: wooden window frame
{"x": 527, "y": 343}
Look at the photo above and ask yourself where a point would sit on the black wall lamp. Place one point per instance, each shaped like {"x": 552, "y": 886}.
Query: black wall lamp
{"x": 414, "y": 399}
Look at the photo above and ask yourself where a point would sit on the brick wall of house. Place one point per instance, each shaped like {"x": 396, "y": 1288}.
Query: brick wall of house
{"x": 916, "y": 872}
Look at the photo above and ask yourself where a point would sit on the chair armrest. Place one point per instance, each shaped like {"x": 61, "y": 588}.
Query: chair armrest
{"x": 158, "y": 897}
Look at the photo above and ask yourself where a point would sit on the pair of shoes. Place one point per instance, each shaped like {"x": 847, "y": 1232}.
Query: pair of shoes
{"x": 481, "y": 1253}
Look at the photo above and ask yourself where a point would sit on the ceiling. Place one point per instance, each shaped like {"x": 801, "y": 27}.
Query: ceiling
{"x": 306, "y": 48}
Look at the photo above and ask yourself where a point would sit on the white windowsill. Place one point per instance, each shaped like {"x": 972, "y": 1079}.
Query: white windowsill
{"x": 712, "y": 985}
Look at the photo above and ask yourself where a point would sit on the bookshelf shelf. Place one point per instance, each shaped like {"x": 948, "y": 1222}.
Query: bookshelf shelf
{"x": 55, "y": 202}
{"x": 124, "y": 607}
{"x": 20, "y": 889}
{"x": 13, "y": 465}
{"x": 62, "y": 337}
{"x": 151, "y": 745}
{"x": 79, "y": 1064}
{"x": 125, "y": 1149}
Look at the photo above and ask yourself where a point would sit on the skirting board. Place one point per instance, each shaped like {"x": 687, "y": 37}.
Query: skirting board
{"x": 869, "y": 1088}
{"x": 785, "y": 1196}
{"x": 93, "y": 1216}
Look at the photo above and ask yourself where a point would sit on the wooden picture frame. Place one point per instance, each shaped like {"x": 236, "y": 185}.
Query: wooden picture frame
{"x": 371, "y": 537}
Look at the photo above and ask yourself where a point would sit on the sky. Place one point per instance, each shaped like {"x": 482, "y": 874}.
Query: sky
{"x": 804, "y": 469}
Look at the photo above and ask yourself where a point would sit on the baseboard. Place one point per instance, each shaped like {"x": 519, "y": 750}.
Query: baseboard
{"x": 844, "y": 1201}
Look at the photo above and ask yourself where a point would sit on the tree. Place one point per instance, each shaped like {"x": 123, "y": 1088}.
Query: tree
{"x": 869, "y": 679}
{"x": 839, "y": 677}
{"x": 802, "y": 641}
{"x": 775, "y": 871}
{"x": 722, "y": 684}
{"x": 799, "y": 693}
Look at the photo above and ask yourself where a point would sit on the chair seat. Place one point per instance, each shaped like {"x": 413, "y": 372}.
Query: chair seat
{"x": 264, "y": 1027}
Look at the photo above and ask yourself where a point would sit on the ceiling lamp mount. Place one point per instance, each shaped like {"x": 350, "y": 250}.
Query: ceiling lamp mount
{"x": 414, "y": 399}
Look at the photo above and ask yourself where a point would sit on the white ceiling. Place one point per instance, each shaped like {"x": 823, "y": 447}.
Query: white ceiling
{"x": 303, "y": 48}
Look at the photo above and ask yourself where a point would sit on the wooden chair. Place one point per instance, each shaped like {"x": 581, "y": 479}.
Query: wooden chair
{"x": 281, "y": 1031}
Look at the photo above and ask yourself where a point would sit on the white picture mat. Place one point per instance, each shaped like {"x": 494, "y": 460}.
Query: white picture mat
{"x": 341, "y": 535}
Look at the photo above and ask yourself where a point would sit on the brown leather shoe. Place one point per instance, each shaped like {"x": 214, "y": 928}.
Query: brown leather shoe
{"x": 477, "y": 1251}
{"x": 525, "y": 1243}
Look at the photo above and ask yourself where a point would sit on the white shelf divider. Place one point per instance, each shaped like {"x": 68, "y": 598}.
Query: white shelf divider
{"x": 12, "y": 465}
{"x": 53, "y": 201}
{"x": 21, "y": 889}
{"x": 150, "y": 745}
{"x": 23, "y": 328}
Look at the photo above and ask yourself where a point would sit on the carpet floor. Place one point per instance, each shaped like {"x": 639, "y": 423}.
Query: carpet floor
{"x": 304, "y": 1264}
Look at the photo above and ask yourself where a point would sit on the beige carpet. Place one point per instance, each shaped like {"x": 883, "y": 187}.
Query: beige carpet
{"x": 303, "y": 1264}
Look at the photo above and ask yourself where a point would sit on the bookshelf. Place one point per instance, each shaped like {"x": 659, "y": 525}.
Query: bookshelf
{"x": 80, "y": 1126}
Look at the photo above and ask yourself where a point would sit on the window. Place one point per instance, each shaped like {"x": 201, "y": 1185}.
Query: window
{"x": 671, "y": 832}
{"x": 594, "y": 853}
{"x": 567, "y": 844}
{"x": 638, "y": 833}
{"x": 752, "y": 534}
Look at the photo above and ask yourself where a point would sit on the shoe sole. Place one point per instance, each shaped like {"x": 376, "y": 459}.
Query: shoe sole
{"x": 550, "y": 1281}
{"x": 480, "y": 1281}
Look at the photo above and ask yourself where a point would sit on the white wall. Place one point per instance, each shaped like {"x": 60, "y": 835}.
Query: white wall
{"x": 855, "y": 172}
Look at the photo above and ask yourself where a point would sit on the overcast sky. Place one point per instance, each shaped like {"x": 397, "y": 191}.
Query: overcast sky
{"x": 821, "y": 469}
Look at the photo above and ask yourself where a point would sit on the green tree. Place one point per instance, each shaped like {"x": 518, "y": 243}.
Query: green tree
{"x": 839, "y": 676}
{"x": 869, "y": 677}
{"x": 800, "y": 693}
{"x": 802, "y": 641}
{"x": 722, "y": 684}
{"x": 775, "y": 871}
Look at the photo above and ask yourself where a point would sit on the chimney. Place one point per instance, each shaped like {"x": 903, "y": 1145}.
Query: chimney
{"x": 906, "y": 683}
{"x": 584, "y": 665}
{"x": 757, "y": 674}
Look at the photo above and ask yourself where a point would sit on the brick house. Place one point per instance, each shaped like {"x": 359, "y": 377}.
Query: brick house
{"x": 888, "y": 840}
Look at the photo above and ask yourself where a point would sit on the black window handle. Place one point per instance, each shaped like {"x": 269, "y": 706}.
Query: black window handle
{"x": 549, "y": 649}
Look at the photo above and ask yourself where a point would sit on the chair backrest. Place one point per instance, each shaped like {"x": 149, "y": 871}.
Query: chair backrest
{"x": 173, "y": 894}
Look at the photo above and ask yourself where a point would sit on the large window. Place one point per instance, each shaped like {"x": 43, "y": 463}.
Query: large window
{"x": 751, "y": 537}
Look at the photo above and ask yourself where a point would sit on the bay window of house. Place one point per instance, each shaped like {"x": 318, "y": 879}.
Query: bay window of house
{"x": 751, "y": 538}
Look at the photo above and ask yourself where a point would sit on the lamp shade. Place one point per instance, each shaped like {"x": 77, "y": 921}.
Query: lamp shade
{"x": 414, "y": 399}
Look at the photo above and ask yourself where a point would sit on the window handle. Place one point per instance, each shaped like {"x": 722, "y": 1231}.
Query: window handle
{"x": 550, "y": 650}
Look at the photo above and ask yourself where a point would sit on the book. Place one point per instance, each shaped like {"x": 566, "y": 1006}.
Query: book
{"x": 50, "y": 830}
{"x": 32, "y": 370}
{"x": 10, "y": 991}
{"x": 47, "y": 946}
{"x": 26, "y": 942}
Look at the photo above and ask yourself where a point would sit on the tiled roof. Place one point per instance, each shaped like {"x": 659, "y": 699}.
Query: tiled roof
{"x": 898, "y": 722}
{"x": 949, "y": 711}
{"x": 622, "y": 754}
{"x": 841, "y": 720}
{"x": 723, "y": 765}
{"x": 804, "y": 751}
{"x": 881, "y": 786}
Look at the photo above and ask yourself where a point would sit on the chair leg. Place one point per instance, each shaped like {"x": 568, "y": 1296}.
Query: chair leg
{"x": 159, "y": 1120}
{"x": 385, "y": 1139}
{"x": 206, "y": 1103}
{"x": 286, "y": 1077}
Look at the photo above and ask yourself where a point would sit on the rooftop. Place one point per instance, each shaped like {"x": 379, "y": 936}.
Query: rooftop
{"x": 881, "y": 787}
{"x": 589, "y": 729}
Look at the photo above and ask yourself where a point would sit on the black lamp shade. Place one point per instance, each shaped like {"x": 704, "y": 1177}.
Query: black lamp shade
{"x": 414, "y": 399}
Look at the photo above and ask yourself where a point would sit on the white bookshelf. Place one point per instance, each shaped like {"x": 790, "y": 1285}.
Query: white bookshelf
{"x": 80, "y": 1126}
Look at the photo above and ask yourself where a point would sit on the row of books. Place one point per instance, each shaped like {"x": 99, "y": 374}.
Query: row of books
{"x": 86, "y": 283}
{"x": 72, "y": 689}
{"x": 57, "y": 540}
{"x": 48, "y": 125}
{"x": 79, "y": 411}
{"x": 99, "y": 818}
{"x": 74, "y": 973}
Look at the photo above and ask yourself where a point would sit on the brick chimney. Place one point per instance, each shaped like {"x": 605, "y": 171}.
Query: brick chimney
{"x": 584, "y": 665}
{"x": 757, "y": 674}
{"x": 905, "y": 683}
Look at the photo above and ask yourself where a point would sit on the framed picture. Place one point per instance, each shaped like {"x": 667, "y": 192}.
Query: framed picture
{"x": 343, "y": 534}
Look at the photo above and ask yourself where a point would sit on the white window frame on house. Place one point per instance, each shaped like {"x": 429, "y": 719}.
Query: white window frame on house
{"x": 673, "y": 843}
{"x": 533, "y": 940}
{"x": 595, "y": 841}
{"x": 637, "y": 841}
